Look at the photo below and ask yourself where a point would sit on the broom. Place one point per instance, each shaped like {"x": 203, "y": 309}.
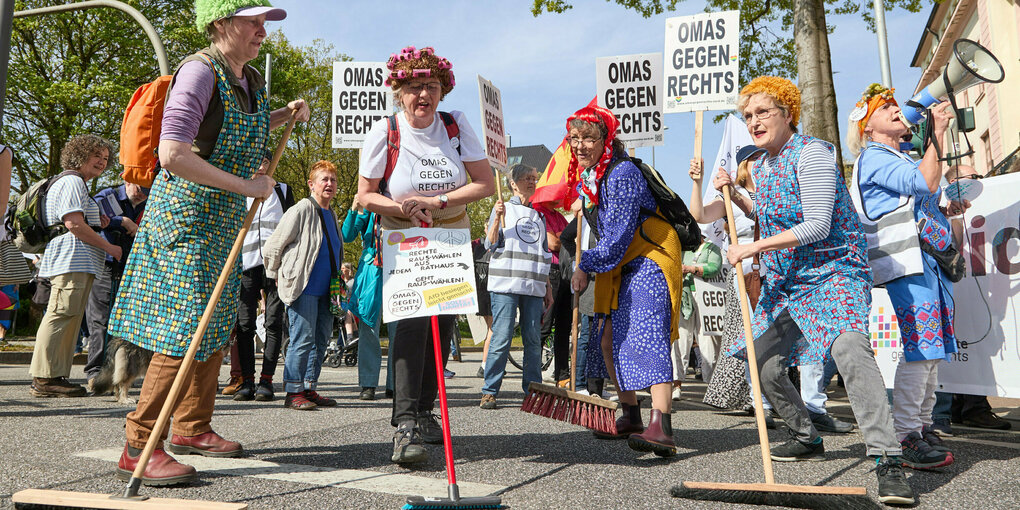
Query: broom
{"x": 770, "y": 492}
{"x": 37, "y": 498}
{"x": 454, "y": 501}
{"x": 551, "y": 401}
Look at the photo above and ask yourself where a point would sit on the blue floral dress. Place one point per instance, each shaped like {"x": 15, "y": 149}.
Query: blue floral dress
{"x": 826, "y": 285}
{"x": 641, "y": 323}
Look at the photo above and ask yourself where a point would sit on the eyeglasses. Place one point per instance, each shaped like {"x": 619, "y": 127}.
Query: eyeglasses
{"x": 434, "y": 88}
{"x": 587, "y": 141}
{"x": 762, "y": 114}
{"x": 528, "y": 180}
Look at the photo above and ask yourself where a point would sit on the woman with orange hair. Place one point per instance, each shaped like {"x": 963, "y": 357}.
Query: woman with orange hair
{"x": 816, "y": 289}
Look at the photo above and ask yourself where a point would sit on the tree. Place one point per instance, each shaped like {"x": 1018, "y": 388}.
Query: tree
{"x": 764, "y": 28}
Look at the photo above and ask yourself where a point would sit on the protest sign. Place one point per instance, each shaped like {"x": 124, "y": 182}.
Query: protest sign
{"x": 427, "y": 271}
{"x": 360, "y": 97}
{"x": 701, "y": 62}
{"x": 735, "y": 136}
{"x": 630, "y": 86}
{"x": 492, "y": 124}
{"x": 710, "y": 298}
{"x": 987, "y": 361}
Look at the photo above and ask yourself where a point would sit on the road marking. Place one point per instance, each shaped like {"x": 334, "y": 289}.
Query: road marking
{"x": 371, "y": 481}
{"x": 986, "y": 442}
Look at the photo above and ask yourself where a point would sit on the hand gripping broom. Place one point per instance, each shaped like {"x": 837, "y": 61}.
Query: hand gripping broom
{"x": 49, "y": 499}
{"x": 551, "y": 401}
{"x": 770, "y": 492}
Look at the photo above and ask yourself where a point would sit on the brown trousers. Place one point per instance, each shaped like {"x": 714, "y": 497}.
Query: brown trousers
{"x": 194, "y": 409}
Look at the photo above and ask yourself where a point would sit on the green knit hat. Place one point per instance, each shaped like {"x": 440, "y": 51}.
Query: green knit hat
{"x": 207, "y": 11}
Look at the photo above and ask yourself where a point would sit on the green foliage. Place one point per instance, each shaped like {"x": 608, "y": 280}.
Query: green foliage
{"x": 645, "y": 7}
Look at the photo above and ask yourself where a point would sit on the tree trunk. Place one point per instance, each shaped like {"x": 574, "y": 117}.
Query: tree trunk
{"x": 819, "y": 116}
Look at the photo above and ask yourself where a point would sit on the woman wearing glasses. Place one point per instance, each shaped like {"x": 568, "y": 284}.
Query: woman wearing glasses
{"x": 637, "y": 285}
{"x": 424, "y": 181}
{"x": 518, "y": 279}
{"x": 816, "y": 289}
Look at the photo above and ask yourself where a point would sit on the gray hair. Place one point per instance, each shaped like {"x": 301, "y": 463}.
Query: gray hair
{"x": 347, "y": 265}
{"x": 520, "y": 171}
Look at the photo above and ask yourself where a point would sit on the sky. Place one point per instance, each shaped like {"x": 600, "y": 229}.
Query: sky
{"x": 545, "y": 66}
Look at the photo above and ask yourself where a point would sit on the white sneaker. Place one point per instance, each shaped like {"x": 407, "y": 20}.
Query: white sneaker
{"x": 614, "y": 398}
{"x": 676, "y": 394}
{"x": 583, "y": 392}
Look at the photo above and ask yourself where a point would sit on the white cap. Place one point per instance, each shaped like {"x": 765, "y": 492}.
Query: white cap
{"x": 272, "y": 13}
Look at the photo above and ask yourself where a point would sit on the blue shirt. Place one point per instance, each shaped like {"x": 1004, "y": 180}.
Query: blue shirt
{"x": 322, "y": 271}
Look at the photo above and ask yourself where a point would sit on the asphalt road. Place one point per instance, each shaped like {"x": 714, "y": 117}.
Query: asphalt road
{"x": 339, "y": 457}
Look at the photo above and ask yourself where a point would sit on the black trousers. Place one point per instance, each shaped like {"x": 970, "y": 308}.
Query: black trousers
{"x": 414, "y": 364}
{"x": 253, "y": 282}
{"x": 968, "y": 406}
{"x": 559, "y": 315}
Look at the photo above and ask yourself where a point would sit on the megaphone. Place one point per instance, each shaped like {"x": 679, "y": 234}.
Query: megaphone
{"x": 972, "y": 64}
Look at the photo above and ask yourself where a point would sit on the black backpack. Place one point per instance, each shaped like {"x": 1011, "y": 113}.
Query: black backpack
{"x": 26, "y": 220}
{"x": 672, "y": 208}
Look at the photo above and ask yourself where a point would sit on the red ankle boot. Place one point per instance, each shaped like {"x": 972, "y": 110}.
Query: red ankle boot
{"x": 657, "y": 438}
{"x": 161, "y": 470}
{"x": 627, "y": 424}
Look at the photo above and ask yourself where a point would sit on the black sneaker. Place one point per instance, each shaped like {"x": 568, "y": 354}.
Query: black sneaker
{"x": 987, "y": 420}
{"x": 246, "y": 391}
{"x": 407, "y": 448}
{"x": 429, "y": 427}
{"x": 893, "y": 488}
{"x": 367, "y": 394}
{"x": 918, "y": 454}
{"x": 942, "y": 427}
{"x": 933, "y": 439}
{"x": 264, "y": 391}
{"x": 794, "y": 450}
{"x": 824, "y": 422}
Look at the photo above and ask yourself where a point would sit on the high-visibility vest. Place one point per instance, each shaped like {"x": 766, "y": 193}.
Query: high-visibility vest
{"x": 267, "y": 217}
{"x": 521, "y": 265}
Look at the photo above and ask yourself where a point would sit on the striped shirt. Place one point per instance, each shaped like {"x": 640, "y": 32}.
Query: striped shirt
{"x": 66, "y": 253}
{"x": 816, "y": 179}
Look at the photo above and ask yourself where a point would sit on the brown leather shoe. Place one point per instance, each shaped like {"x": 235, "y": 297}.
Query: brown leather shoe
{"x": 161, "y": 470}
{"x": 209, "y": 444}
{"x": 55, "y": 387}
{"x": 234, "y": 385}
{"x": 627, "y": 424}
{"x": 657, "y": 438}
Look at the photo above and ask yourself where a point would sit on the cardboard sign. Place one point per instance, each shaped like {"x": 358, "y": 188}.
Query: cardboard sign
{"x": 710, "y": 298}
{"x": 701, "y": 62}
{"x": 427, "y": 271}
{"x": 630, "y": 86}
{"x": 360, "y": 97}
{"x": 492, "y": 124}
{"x": 987, "y": 361}
{"x": 735, "y": 136}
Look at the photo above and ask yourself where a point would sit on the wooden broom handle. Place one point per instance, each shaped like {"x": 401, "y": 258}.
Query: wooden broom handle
{"x": 752, "y": 360}
{"x": 196, "y": 340}
{"x": 577, "y": 303}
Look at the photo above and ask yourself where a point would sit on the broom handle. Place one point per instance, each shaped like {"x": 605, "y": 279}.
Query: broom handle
{"x": 577, "y": 312}
{"x": 169, "y": 405}
{"x": 752, "y": 360}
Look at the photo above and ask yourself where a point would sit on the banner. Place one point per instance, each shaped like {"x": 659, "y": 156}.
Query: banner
{"x": 360, "y": 97}
{"x": 630, "y": 86}
{"x": 492, "y": 124}
{"x": 735, "y": 136}
{"x": 987, "y": 300}
{"x": 701, "y": 62}
{"x": 710, "y": 298}
{"x": 427, "y": 271}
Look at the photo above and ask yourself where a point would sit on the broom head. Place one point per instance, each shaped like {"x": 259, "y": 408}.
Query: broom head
{"x": 562, "y": 404}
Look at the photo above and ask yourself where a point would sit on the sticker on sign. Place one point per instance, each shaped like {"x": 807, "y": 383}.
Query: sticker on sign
{"x": 630, "y": 86}
{"x": 360, "y": 98}
{"x": 701, "y": 62}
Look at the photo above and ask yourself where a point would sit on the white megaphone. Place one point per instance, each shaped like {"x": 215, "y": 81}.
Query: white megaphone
{"x": 971, "y": 64}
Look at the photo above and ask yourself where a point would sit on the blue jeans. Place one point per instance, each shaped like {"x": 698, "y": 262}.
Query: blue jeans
{"x": 583, "y": 330}
{"x": 504, "y": 311}
{"x": 813, "y": 379}
{"x": 943, "y": 406}
{"x": 311, "y": 325}
{"x": 370, "y": 357}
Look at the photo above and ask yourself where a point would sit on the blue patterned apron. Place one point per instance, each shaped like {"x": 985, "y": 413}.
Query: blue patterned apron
{"x": 826, "y": 285}
{"x": 184, "y": 240}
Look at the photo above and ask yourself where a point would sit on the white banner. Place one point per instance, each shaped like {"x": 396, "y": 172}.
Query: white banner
{"x": 988, "y": 357}
{"x": 710, "y": 298}
{"x": 735, "y": 136}
{"x": 427, "y": 271}
{"x": 360, "y": 97}
{"x": 492, "y": 124}
{"x": 701, "y": 62}
{"x": 630, "y": 86}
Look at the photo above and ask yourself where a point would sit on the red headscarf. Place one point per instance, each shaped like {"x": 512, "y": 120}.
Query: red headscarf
{"x": 594, "y": 114}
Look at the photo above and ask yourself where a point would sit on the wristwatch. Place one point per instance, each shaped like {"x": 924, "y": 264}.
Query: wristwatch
{"x": 443, "y": 201}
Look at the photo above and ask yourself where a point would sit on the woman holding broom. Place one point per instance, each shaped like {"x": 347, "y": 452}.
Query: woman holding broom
{"x": 214, "y": 132}
{"x": 637, "y": 261}
{"x": 816, "y": 290}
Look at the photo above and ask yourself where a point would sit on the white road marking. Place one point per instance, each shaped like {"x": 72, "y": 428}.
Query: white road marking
{"x": 372, "y": 481}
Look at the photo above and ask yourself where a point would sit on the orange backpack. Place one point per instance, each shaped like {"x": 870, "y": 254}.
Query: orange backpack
{"x": 139, "y": 133}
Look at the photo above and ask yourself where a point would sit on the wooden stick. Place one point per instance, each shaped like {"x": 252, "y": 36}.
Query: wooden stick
{"x": 577, "y": 307}
{"x": 752, "y": 360}
{"x": 499, "y": 196}
{"x": 170, "y": 404}
{"x": 699, "y": 122}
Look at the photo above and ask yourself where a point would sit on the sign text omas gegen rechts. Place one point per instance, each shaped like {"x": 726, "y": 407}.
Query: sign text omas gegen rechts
{"x": 701, "y": 61}
{"x": 360, "y": 97}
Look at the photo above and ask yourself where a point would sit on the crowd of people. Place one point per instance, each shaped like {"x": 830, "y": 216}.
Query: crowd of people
{"x": 140, "y": 264}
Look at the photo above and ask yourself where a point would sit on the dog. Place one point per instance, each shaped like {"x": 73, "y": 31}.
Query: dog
{"x": 124, "y": 363}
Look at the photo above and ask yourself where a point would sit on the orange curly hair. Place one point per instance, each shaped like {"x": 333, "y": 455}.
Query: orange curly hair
{"x": 783, "y": 92}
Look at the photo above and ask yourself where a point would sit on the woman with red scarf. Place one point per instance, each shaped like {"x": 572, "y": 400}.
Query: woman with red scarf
{"x": 637, "y": 283}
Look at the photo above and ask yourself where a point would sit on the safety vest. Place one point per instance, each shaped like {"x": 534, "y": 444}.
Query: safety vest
{"x": 267, "y": 217}
{"x": 521, "y": 265}
{"x": 893, "y": 247}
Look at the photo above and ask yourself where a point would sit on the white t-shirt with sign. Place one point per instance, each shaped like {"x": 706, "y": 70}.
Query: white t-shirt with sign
{"x": 428, "y": 164}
